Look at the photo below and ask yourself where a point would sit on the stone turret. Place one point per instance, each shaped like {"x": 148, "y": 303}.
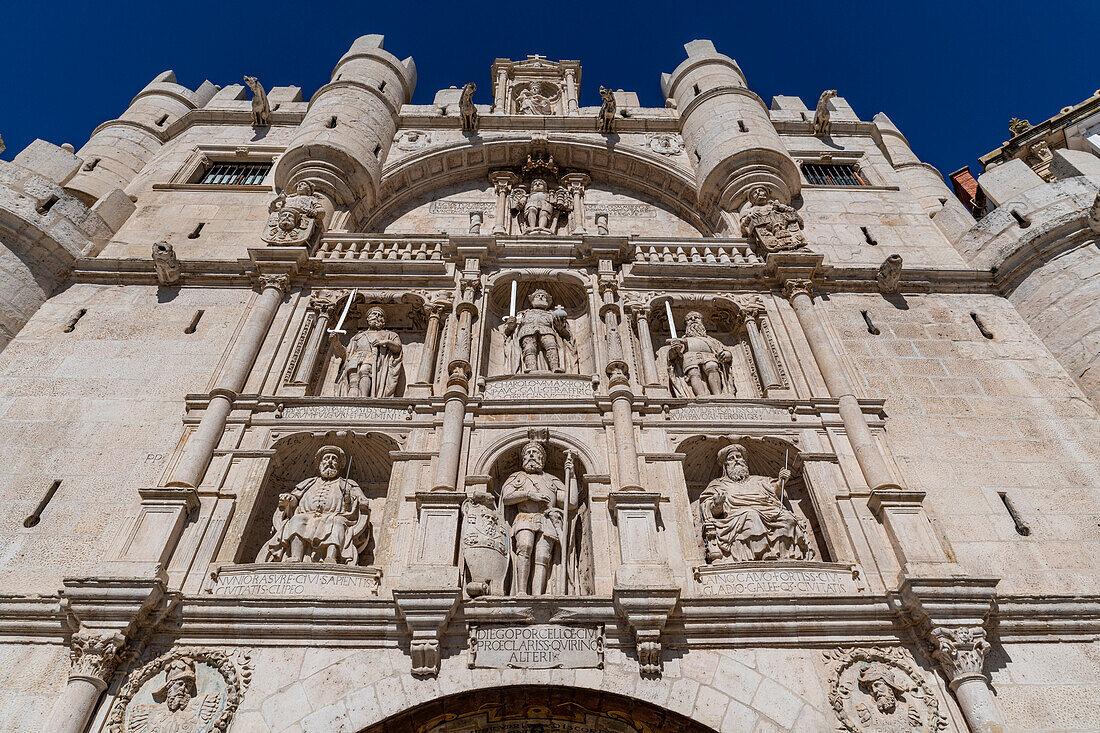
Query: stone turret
{"x": 727, "y": 130}
{"x": 119, "y": 149}
{"x": 347, "y": 131}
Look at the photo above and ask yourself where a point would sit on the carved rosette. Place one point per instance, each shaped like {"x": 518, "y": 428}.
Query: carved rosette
{"x": 95, "y": 656}
{"x": 877, "y": 690}
{"x": 220, "y": 698}
{"x": 960, "y": 651}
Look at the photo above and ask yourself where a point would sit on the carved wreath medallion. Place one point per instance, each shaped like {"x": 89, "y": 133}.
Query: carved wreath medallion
{"x": 878, "y": 690}
{"x": 209, "y": 685}
{"x": 665, "y": 143}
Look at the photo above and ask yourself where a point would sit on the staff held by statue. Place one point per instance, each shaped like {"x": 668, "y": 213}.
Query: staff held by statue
{"x": 347, "y": 306}
{"x": 570, "y": 492}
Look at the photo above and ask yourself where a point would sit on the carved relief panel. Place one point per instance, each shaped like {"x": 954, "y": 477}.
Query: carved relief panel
{"x": 536, "y": 86}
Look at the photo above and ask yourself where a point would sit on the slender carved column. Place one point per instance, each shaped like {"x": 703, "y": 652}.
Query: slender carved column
{"x": 622, "y": 398}
{"x": 797, "y": 291}
{"x": 200, "y": 447}
{"x": 761, "y": 355}
{"x": 431, "y": 339}
{"x": 93, "y": 659}
{"x": 502, "y": 184}
{"x": 577, "y": 182}
{"x": 458, "y": 389}
{"x": 961, "y": 653}
{"x": 571, "y": 93}
{"x": 323, "y": 305}
{"x": 501, "y": 96}
{"x": 645, "y": 343}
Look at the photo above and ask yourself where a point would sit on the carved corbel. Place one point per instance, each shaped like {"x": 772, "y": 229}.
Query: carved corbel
{"x": 426, "y": 613}
{"x": 647, "y": 611}
{"x": 166, "y": 264}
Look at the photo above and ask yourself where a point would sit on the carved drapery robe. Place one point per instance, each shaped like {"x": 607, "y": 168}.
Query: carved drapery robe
{"x": 327, "y": 513}
{"x": 700, "y": 350}
{"x": 752, "y": 524}
{"x": 370, "y": 352}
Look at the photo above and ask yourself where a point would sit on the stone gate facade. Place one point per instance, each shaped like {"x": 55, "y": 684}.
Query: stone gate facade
{"x": 357, "y": 415}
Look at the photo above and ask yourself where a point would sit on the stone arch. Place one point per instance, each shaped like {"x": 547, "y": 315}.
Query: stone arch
{"x": 648, "y": 174}
{"x": 537, "y": 707}
{"x": 492, "y": 455}
{"x": 293, "y": 460}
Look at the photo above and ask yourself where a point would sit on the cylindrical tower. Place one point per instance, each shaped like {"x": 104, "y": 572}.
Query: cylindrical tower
{"x": 347, "y": 131}
{"x": 119, "y": 149}
{"x": 727, "y": 130}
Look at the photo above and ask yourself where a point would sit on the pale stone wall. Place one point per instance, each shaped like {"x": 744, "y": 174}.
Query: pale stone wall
{"x": 30, "y": 676}
{"x": 1049, "y": 686}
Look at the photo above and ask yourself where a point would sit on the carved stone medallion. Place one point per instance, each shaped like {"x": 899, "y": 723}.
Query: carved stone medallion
{"x": 665, "y": 143}
{"x": 409, "y": 140}
{"x": 183, "y": 691}
{"x": 880, "y": 691}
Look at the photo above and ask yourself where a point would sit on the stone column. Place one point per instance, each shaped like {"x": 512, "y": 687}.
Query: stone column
{"x": 645, "y": 343}
{"x": 576, "y": 183}
{"x": 200, "y": 447}
{"x": 431, "y": 339}
{"x": 501, "y": 96}
{"x": 798, "y": 292}
{"x": 761, "y": 354}
{"x": 571, "y": 107}
{"x": 622, "y": 398}
{"x": 93, "y": 658}
{"x": 502, "y": 184}
{"x": 323, "y": 306}
{"x": 458, "y": 390}
{"x": 961, "y": 653}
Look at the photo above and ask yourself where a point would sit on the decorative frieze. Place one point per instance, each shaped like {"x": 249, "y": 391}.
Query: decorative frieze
{"x": 778, "y": 578}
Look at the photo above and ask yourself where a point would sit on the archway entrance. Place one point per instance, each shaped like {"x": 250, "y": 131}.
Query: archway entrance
{"x": 537, "y": 709}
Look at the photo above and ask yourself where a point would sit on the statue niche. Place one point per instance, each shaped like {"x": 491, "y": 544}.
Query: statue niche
{"x": 529, "y": 532}
{"x": 550, "y": 336}
{"x": 537, "y": 202}
{"x": 372, "y": 360}
{"x": 699, "y": 363}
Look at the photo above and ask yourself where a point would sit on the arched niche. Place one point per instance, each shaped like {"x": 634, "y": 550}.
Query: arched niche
{"x": 766, "y": 456}
{"x": 531, "y": 708}
{"x": 721, "y": 319}
{"x": 500, "y": 354}
{"x": 295, "y": 459}
{"x": 498, "y": 465}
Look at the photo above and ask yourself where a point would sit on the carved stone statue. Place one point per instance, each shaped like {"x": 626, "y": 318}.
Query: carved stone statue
{"x": 467, "y": 109}
{"x": 373, "y": 364}
{"x": 889, "y": 274}
{"x": 774, "y": 225}
{"x": 294, "y": 219}
{"x": 744, "y": 518}
{"x": 537, "y": 523}
{"x": 541, "y": 209}
{"x": 177, "y": 708}
{"x": 484, "y": 545}
{"x": 698, "y": 364}
{"x": 531, "y": 100}
{"x": 261, "y": 108}
{"x": 822, "y": 123}
{"x": 166, "y": 264}
{"x": 605, "y": 119}
{"x": 542, "y": 336}
{"x": 323, "y": 519}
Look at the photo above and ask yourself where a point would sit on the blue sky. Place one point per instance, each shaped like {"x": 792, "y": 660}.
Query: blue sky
{"x": 950, "y": 75}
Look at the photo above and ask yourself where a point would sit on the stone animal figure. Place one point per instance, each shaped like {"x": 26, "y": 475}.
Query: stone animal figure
{"x": 822, "y": 124}
{"x": 166, "y": 263}
{"x": 467, "y": 109}
{"x": 261, "y": 108}
{"x": 889, "y": 274}
{"x": 605, "y": 119}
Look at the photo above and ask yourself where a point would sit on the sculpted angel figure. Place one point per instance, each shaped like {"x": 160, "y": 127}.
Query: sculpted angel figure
{"x": 178, "y": 708}
{"x": 294, "y": 219}
{"x": 531, "y": 101}
{"x": 540, "y": 209}
{"x": 323, "y": 519}
{"x": 542, "y": 335}
{"x": 373, "y": 364}
{"x": 774, "y": 225}
{"x": 744, "y": 518}
{"x": 698, "y": 365}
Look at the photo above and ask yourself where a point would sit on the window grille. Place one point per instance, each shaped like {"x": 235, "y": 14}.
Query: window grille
{"x": 236, "y": 174}
{"x": 821, "y": 174}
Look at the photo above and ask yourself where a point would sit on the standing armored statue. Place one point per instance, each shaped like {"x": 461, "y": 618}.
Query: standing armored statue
{"x": 323, "y": 519}
{"x": 744, "y": 518}
{"x": 541, "y": 333}
{"x": 774, "y": 225}
{"x": 181, "y": 710}
{"x": 700, "y": 364}
{"x": 538, "y": 524}
{"x": 373, "y": 365}
{"x": 540, "y": 210}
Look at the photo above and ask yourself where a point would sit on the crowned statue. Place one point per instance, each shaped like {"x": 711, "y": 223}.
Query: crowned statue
{"x": 774, "y": 225}
{"x": 372, "y": 360}
{"x": 323, "y": 519}
{"x": 177, "y": 708}
{"x": 744, "y": 517}
{"x": 538, "y": 339}
{"x": 698, "y": 365}
{"x": 294, "y": 219}
{"x": 540, "y": 210}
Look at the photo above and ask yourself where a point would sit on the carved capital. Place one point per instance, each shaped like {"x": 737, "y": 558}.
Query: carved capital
{"x": 95, "y": 656}
{"x": 323, "y": 303}
{"x": 797, "y": 286}
{"x": 279, "y": 282}
{"x": 503, "y": 181}
{"x": 960, "y": 651}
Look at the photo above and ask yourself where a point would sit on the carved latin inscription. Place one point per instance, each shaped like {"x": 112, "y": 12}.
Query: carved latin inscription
{"x": 536, "y": 646}
{"x": 729, "y": 580}
{"x": 270, "y": 580}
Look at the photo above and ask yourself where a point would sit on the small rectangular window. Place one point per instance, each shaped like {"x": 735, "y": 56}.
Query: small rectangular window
{"x": 830, "y": 174}
{"x": 235, "y": 174}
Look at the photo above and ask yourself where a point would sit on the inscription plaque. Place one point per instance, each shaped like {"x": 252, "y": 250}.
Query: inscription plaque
{"x": 729, "y": 413}
{"x": 522, "y": 387}
{"x": 536, "y": 646}
{"x": 344, "y": 412}
{"x": 789, "y": 578}
{"x": 272, "y": 579}
{"x": 461, "y": 207}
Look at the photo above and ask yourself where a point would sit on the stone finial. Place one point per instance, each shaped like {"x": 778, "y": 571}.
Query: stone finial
{"x": 889, "y": 275}
{"x": 467, "y": 109}
{"x": 605, "y": 118}
{"x": 822, "y": 123}
{"x": 261, "y": 108}
{"x": 166, "y": 263}
{"x": 1017, "y": 126}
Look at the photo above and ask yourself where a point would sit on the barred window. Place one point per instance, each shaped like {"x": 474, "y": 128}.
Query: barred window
{"x": 236, "y": 174}
{"x": 821, "y": 174}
